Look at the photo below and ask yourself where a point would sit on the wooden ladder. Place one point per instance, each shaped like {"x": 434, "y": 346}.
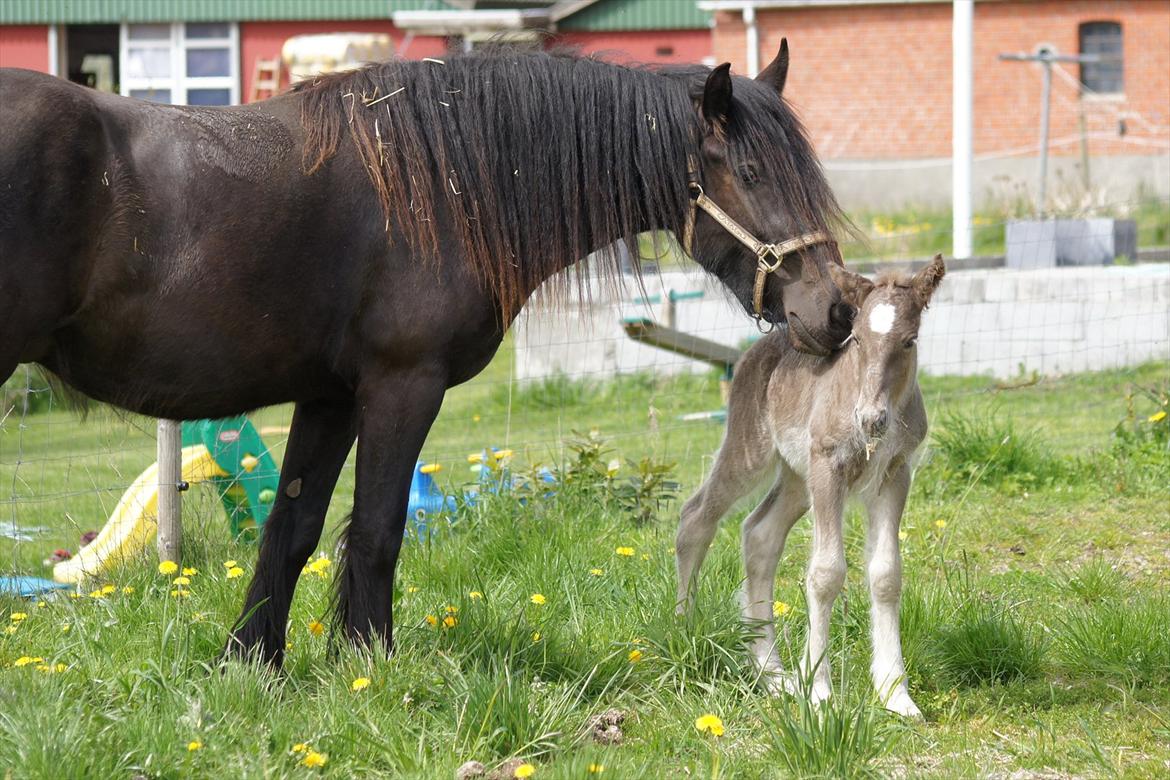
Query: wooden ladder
{"x": 265, "y": 79}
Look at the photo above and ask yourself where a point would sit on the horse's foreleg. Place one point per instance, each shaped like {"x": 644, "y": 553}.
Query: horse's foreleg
{"x": 826, "y": 570}
{"x": 764, "y": 532}
{"x": 884, "y": 569}
{"x": 396, "y": 413}
{"x": 319, "y": 441}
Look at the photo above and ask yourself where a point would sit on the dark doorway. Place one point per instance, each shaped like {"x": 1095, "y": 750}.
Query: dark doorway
{"x": 92, "y": 55}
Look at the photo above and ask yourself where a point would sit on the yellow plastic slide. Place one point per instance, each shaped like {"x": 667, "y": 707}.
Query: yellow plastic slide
{"x": 135, "y": 519}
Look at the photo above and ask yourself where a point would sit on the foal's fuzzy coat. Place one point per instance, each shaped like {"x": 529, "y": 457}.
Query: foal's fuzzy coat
{"x": 828, "y": 427}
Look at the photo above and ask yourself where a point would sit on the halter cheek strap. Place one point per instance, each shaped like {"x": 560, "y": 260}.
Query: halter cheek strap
{"x": 769, "y": 257}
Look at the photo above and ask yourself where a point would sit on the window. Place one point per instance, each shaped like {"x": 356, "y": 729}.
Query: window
{"x": 195, "y": 64}
{"x": 1103, "y": 40}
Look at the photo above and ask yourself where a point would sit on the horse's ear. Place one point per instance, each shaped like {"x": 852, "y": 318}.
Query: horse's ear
{"x": 854, "y": 287}
{"x": 926, "y": 281}
{"x": 717, "y": 94}
{"x": 777, "y": 71}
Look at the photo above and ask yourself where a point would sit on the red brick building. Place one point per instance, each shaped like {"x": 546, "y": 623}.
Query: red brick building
{"x": 872, "y": 81}
{"x": 206, "y": 50}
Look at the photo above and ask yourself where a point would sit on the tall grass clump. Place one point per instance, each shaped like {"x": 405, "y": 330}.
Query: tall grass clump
{"x": 1122, "y": 639}
{"x": 839, "y": 738}
{"x": 991, "y": 450}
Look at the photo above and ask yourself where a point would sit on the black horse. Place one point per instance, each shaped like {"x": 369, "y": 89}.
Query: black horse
{"x": 362, "y": 243}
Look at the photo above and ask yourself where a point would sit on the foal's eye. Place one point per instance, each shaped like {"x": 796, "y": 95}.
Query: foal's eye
{"x": 748, "y": 175}
{"x": 909, "y": 343}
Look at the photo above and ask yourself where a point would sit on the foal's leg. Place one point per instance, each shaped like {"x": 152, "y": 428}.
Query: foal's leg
{"x": 884, "y": 568}
{"x": 764, "y": 533}
{"x": 319, "y": 441}
{"x": 826, "y": 570}
{"x": 397, "y": 410}
{"x": 732, "y": 476}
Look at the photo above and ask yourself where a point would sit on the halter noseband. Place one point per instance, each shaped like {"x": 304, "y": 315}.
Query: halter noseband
{"x": 762, "y": 251}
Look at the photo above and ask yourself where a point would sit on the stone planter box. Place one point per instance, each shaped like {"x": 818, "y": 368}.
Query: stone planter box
{"x": 1049, "y": 243}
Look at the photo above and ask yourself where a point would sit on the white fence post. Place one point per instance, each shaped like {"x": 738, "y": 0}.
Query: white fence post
{"x": 170, "y": 523}
{"x": 962, "y": 44}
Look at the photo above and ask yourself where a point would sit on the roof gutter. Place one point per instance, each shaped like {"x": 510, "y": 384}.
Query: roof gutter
{"x": 763, "y": 5}
{"x": 461, "y": 22}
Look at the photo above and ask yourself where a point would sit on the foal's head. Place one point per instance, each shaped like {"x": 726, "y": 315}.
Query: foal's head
{"x": 757, "y": 164}
{"x": 885, "y": 334}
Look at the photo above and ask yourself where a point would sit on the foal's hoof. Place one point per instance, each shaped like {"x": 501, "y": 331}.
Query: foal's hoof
{"x": 901, "y": 703}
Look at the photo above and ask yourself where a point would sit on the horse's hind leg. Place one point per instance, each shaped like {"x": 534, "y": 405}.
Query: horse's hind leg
{"x": 884, "y": 568}
{"x": 321, "y": 436}
{"x": 732, "y": 476}
{"x": 397, "y": 410}
{"x": 764, "y": 532}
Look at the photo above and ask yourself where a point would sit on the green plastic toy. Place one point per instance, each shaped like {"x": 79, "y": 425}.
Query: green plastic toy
{"x": 248, "y": 490}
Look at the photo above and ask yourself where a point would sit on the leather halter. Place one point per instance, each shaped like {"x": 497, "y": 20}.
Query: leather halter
{"x": 769, "y": 257}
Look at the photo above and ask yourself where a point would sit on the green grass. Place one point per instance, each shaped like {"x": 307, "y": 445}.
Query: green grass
{"x": 1033, "y": 620}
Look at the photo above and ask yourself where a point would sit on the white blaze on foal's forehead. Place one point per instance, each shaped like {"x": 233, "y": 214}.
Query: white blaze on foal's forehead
{"x": 881, "y": 319}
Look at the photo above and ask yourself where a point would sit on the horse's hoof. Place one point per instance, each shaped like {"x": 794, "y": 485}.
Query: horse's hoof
{"x": 901, "y": 704}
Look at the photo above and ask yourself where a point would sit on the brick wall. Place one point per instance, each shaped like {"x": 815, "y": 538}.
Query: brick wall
{"x": 24, "y": 46}
{"x": 874, "y": 81}
{"x": 673, "y": 46}
{"x": 265, "y": 39}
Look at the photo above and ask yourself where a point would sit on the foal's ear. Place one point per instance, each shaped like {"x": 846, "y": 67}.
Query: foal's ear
{"x": 717, "y": 95}
{"x": 854, "y": 287}
{"x": 777, "y": 71}
{"x": 926, "y": 281}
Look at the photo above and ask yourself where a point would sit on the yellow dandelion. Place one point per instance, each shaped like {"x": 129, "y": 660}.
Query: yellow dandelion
{"x": 181, "y": 581}
{"x": 190, "y": 571}
{"x": 360, "y": 684}
{"x": 60, "y": 667}
{"x": 412, "y": 589}
{"x": 596, "y": 572}
{"x": 97, "y": 594}
{"x": 127, "y": 590}
{"x": 451, "y": 609}
{"x": 42, "y": 604}
{"x": 537, "y": 598}
{"x": 524, "y": 770}
{"x": 625, "y": 551}
{"x": 431, "y": 620}
{"x": 535, "y": 637}
{"x": 234, "y": 572}
{"x": 635, "y": 655}
{"x": 780, "y": 609}
{"x": 645, "y": 556}
{"x": 1157, "y": 416}
{"x": 108, "y": 589}
{"x": 180, "y": 593}
{"x": 194, "y": 745}
{"x": 168, "y": 567}
{"x": 450, "y": 621}
{"x": 475, "y": 418}
{"x": 229, "y": 564}
{"x": 314, "y": 760}
{"x": 16, "y": 617}
{"x": 316, "y": 627}
{"x": 10, "y": 630}
{"x": 940, "y": 524}
{"x": 300, "y": 747}
{"x": 65, "y": 628}
{"x": 596, "y": 769}
{"x": 475, "y": 594}
{"x": 710, "y": 723}
{"x": 25, "y": 660}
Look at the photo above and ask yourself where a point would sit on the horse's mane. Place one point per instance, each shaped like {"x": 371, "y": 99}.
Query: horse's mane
{"x": 536, "y": 158}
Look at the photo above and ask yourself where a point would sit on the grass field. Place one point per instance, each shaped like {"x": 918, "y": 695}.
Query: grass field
{"x": 1035, "y": 622}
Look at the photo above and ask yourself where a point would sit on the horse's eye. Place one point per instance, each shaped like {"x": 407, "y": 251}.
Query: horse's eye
{"x": 748, "y": 175}
{"x": 909, "y": 343}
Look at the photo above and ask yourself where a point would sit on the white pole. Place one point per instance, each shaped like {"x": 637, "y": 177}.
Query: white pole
{"x": 753, "y": 41}
{"x": 54, "y": 52}
{"x": 962, "y": 44}
{"x": 170, "y": 467}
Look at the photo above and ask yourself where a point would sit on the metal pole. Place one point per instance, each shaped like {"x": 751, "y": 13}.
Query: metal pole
{"x": 170, "y": 524}
{"x": 752, "y": 31}
{"x": 962, "y": 44}
{"x": 1042, "y": 205}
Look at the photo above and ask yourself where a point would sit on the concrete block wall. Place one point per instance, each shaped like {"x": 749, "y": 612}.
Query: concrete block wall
{"x": 996, "y": 322}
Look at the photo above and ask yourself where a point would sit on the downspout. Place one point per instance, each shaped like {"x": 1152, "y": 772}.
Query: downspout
{"x": 753, "y": 40}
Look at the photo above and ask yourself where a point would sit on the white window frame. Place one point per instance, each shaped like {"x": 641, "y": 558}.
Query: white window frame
{"x": 178, "y": 44}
